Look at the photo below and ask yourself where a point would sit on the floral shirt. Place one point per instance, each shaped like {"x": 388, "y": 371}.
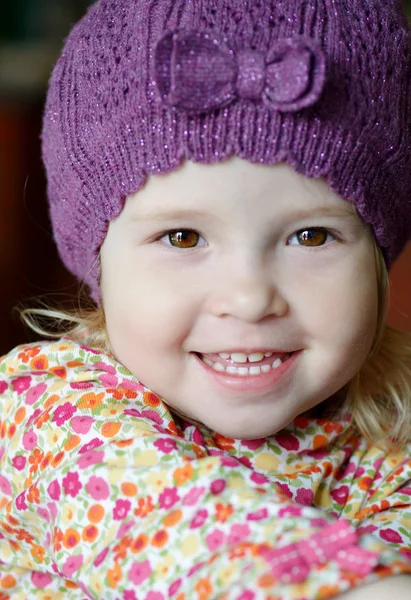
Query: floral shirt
{"x": 105, "y": 494}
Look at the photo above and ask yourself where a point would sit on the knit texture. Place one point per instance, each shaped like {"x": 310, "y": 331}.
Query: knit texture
{"x": 321, "y": 85}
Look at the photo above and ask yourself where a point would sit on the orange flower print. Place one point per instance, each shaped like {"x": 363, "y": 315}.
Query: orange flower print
{"x": 90, "y": 533}
{"x": 139, "y": 543}
{"x": 39, "y": 363}
{"x": 37, "y": 553}
{"x": 57, "y": 459}
{"x": 71, "y": 538}
{"x": 151, "y": 399}
{"x": 8, "y": 582}
{"x": 33, "y": 494}
{"x": 160, "y": 538}
{"x": 204, "y": 589}
{"x": 145, "y": 506}
{"x": 114, "y": 576}
{"x": 91, "y": 400}
{"x": 35, "y": 460}
{"x": 46, "y": 461}
{"x": 224, "y": 511}
{"x": 58, "y": 538}
{"x": 223, "y": 442}
{"x": 122, "y": 393}
{"x": 59, "y": 372}
{"x": 120, "y": 551}
{"x": 28, "y": 353}
{"x": 95, "y": 513}
{"x": 331, "y": 426}
{"x": 183, "y": 474}
{"x": 172, "y": 518}
{"x": 129, "y": 489}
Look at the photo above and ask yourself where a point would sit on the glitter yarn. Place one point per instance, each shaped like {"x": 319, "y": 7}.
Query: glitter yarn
{"x": 141, "y": 86}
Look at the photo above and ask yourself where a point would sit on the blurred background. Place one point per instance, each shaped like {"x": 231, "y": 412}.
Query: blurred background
{"x": 31, "y": 36}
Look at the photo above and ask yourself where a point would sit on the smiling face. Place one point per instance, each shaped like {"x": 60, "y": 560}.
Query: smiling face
{"x": 242, "y": 294}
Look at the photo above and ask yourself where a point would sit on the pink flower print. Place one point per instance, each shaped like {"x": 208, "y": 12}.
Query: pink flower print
{"x": 367, "y": 529}
{"x": 129, "y": 595}
{"x": 95, "y": 443}
{"x": 253, "y": 444}
{"x": 40, "y": 580}
{"x": 238, "y": 533}
{"x": 72, "y": 484}
{"x": 165, "y": 445}
{"x": 284, "y": 489}
{"x": 229, "y": 461}
{"x": 52, "y": 506}
{"x": 155, "y": 596}
{"x": 246, "y": 595}
{"x": 360, "y": 471}
{"x": 258, "y": 515}
{"x": 287, "y": 441}
{"x": 340, "y": 495}
{"x": 30, "y": 440}
{"x": 2, "y": 452}
{"x": 124, "y": 529}
{"x": 133, "y": 412}
{"x": 391, "y": 536}
{"x": 318, "y": 522}
{"x": 5, "y": 486}
{"x": 100, "y": 558}
{"x": 108, "y": 380}
{"x": 21, "y": 501}
{"x": 54, "y": 490}
{"x": 215, "y": 539}
{"x": 19, "y": 462}
{"x": 3, "y": 387}
{"x": 244, "y": 460}
{"x": 72, "y": 564}
{"x": 290, "y": 511}
{"x": 91, "y": 458}
{"x": 193, "y": 496}
{"x": 63, "y": 413}
{"x": 197, "y": 437}
{"x": 82, "y": 424}
{"x": 140, "y": 571}
{"x": 174, "y": 587}
{"x": 199, "y": 518}
{"x": 121, "y": 509}
{"x": 44, "y": 513}
{"x": 81, "y": 385}
{"x": 98, "y": 488}
{"x": 34, "y": 416}
{"x": 305, "y": 497}
{"x": 152, "y": 416}
{"x": 405, "y": 490}
{"x": 217, "y": 486}
{"x": 21, "y": 384}
{"x": 102, "y": 366}
{"x": 168, "y": 497}
{"x": 259, "y": 479}
{"x": 195, "y": 568}
{"x": 34, "y": 393}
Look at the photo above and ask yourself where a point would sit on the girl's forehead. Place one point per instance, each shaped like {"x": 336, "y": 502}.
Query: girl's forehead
{"x": 232, "y": 184}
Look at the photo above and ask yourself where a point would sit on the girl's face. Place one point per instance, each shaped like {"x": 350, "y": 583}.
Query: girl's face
{"x": 242, "y": 294}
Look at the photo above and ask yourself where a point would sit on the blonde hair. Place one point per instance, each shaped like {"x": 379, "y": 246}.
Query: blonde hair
{"x": 378, "y": 397}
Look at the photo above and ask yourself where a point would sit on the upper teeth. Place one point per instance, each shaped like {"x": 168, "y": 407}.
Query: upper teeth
{"x": 240, "y": 357}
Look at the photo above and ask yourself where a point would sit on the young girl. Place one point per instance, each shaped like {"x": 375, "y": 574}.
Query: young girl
{"x": 232, "y": 420}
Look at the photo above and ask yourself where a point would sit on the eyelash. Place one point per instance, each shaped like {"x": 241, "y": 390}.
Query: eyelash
{"x": 329, "y": 232}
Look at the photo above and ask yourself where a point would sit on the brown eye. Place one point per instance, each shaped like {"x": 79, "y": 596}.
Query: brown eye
{"x": 312, "y": 237}
{"x": 186, "y": 238}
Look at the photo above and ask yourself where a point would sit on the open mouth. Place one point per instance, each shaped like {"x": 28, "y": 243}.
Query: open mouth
{"x": 244, "y": 365}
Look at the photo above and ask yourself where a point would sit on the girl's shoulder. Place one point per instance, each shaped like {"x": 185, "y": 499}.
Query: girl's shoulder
{"x": 62, "y": 359}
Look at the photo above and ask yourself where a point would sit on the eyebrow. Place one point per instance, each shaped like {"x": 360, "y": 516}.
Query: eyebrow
{"x": 175, "y": 215}
{"x": 171, "y": 215}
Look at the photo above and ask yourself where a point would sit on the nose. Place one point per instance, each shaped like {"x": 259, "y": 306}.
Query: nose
{"x": 250, "y": 295}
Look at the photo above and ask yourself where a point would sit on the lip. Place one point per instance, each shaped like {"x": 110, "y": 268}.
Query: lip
{"x": 252, "y": 383}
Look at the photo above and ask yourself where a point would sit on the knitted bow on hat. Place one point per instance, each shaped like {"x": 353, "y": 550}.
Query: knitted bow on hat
{"x": 198, "y": 71}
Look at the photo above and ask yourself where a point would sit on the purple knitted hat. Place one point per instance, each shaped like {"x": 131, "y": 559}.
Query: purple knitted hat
{"x": 142, "y": 85}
